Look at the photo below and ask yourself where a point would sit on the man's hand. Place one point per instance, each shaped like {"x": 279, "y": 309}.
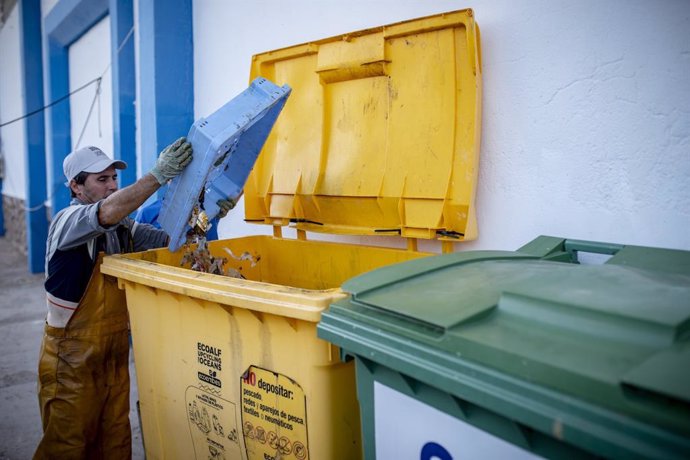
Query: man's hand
{"x": 172, "y": 160}
{"x": 225, "y": 206}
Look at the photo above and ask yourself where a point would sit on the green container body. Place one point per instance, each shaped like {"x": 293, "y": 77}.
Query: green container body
{"x": 556, "y": 358}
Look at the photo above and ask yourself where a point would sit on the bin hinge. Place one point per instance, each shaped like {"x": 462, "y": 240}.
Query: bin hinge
{"x": 387, "y": 230}
{"x": 449, "y": 234}
{"x": 304, "y": 221}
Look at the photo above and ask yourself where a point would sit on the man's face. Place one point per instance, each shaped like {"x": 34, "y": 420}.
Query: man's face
{"x": 97, "y": 186}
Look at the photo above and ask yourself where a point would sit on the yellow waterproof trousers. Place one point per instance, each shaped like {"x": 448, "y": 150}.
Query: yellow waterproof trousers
{"x": 83, "y": 378}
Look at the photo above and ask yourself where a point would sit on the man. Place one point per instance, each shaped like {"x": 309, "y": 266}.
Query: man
{"x": 83, "y": 378}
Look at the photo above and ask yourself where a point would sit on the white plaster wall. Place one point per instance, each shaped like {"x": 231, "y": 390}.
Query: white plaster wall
{"x": 89, "y": 58}
{"x": 586, "y": 123}
{"x": 11, "y": 107}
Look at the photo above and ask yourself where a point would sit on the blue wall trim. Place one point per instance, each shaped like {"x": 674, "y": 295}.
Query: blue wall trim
{"x": 34, "y": 133}
{"x": 70, "y": 19}
{"x": 166, "y": 64}
{"x": 124, "y": 89}
{"x": 60, "y": 137}
{"x": 66, "y": 22}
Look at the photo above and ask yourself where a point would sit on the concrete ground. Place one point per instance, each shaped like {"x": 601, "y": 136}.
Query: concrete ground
{"x": 22, "y": 316}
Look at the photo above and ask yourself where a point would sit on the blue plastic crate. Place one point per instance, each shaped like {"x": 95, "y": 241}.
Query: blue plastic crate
{"x": 226, "y": 146}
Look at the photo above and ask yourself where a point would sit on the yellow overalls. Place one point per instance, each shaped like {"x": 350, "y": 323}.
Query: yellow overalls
{"x": 83, "y": 378}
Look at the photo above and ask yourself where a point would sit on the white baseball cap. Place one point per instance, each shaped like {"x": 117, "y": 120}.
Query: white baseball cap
{"x": 89, "y": 159}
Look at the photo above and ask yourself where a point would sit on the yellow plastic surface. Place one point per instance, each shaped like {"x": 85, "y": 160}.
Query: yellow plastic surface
{"x": 380, "y": 134}
{"x": 187, "y": 325}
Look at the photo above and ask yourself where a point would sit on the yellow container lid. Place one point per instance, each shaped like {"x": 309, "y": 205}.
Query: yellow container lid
{"x": 380, "y": 135}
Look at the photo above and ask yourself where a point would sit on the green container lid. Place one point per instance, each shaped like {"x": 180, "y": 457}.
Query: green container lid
{"x": 597, "y": 356}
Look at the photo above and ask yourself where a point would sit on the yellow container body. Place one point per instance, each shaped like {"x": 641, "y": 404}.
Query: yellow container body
{"x": 380, "y": 136}
{"x": 196, "y": 336}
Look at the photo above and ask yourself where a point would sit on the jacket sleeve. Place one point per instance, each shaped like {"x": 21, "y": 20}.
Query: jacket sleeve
{"x": 146, "y": 236}
{"x": 74, "y": 226}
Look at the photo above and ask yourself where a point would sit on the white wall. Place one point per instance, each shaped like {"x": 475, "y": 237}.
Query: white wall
{"x": 586, "y": 123}
{"x": 89, "y": 58}
{"x": 11, "y": 107}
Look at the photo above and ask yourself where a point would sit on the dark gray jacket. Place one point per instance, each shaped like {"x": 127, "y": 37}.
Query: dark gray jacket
{"x": 74, "y": 239}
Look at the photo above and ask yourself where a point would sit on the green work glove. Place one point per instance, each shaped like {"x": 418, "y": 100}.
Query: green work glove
{"x": 225, "y": 206}
{"x": 172, "y": 160}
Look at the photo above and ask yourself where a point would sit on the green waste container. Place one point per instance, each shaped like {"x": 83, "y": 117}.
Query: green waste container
{"x": 497, "y": 354}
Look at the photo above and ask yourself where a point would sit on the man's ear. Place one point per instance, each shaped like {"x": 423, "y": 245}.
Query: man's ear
{"x": 74, "y": 186}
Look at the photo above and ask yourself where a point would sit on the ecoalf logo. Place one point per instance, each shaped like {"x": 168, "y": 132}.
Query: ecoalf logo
{"x": 211, "y": 379}
{"x": 209, "y": 356}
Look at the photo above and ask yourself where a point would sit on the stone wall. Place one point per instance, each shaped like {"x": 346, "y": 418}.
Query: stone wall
{"x": 14, "y": 220}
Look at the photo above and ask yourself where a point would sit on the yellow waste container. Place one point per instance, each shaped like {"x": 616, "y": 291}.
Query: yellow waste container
{"x": 380, "y": 136}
